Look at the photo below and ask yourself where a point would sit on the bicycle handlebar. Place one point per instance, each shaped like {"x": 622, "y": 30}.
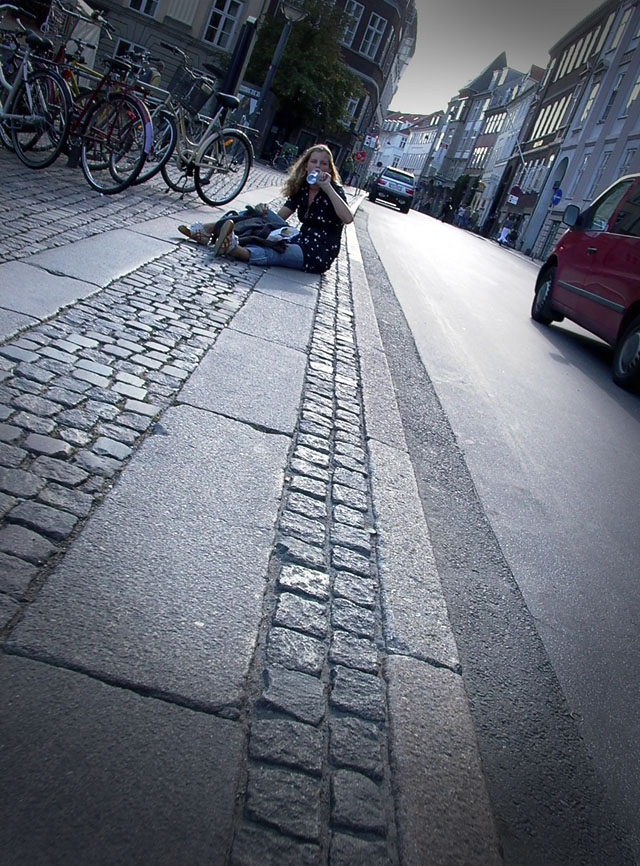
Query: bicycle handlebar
{"x": 96, "y": 17}
{"x": 175, "y": 50}
{"x": 17, "y": 9}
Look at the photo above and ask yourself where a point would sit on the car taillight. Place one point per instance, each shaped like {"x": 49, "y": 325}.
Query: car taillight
{"x": 409, "y": 190}
{"x": 382, "y": 182}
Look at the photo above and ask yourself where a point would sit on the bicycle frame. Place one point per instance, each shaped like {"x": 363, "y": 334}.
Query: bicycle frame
{"x": 22, "y": 75}
{"x": 214, "y": 129}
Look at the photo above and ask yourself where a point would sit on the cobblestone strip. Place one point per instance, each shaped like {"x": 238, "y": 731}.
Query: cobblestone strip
{"x": 41, "y": 210}
{"x": 318, "y": 787}
{"x": 78, "y": 393}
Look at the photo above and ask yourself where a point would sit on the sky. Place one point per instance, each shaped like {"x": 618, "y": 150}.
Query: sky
{"x": 458, "y": 39}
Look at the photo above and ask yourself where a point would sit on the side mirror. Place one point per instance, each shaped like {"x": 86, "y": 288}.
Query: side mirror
{"x": 571, "y": 215}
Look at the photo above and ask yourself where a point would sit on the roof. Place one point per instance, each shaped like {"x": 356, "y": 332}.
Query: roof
{"x": 482, "y": 81}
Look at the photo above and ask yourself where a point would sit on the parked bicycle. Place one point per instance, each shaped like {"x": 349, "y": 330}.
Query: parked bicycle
{"x": 284, "y": 156}
{"x": 34, "y": 102}
{"x": 110, "y": 130}
{"x": 215, "y": 158}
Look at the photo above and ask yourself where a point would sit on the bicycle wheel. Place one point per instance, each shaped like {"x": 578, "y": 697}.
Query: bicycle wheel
{"x": 223, "y": 167}
{"x": 43, "y": 101}
{"x": 114, "y": 143}
{"x": 9, "y": 68}
{"x": 165, "y": 134}
{"x": 177, "y": 173}
{"x": 5, "y": 131}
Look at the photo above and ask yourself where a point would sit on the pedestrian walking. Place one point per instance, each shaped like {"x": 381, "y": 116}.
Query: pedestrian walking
{"x": 446, "y": 212}
{"x": 505, "y": 233}
{"x": 313, "y": 189}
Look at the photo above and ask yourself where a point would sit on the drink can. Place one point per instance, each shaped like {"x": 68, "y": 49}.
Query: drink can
{"x": 312, "y": 177}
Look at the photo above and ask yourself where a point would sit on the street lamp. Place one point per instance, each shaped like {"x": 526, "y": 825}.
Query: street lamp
{"x": 293, "y": 10}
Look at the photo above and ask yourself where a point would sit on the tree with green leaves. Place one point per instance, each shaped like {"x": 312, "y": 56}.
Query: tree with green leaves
{"x": 312, "y": 83}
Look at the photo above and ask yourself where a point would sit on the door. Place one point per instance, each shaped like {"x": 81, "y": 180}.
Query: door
{"x": 613, "y": 281}
{"x": 578, "y": 250}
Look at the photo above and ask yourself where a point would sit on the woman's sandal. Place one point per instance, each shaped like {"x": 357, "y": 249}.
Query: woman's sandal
{"x": 196, "y": 232}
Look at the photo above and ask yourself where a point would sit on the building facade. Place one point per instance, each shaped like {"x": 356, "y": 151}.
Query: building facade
{"x": 377, "y": 42}
{"x": 497, "y": 143}
{"x": 601, "y": 139}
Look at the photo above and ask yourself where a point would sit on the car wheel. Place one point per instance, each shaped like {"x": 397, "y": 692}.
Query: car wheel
{"x": 626, "y": 358}
{"x": 541, "y": 309}
{"x": 404, "y": 209}
{"x": 372, "y": 196}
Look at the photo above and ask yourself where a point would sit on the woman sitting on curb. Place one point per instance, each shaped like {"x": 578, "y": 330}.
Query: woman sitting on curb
{"x": 313, "y": 189}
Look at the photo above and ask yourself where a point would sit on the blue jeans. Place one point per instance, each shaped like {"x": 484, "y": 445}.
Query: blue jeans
{"x": 291, "y": 258}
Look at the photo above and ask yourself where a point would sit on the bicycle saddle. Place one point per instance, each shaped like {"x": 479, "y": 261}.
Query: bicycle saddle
{"x": 117, "y": 64}
{"x": 34, "y": 40}
{"x": 228, "y": 100}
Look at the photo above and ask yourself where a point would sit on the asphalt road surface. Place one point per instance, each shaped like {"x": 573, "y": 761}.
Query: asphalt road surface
{"x": 526, "y": 458}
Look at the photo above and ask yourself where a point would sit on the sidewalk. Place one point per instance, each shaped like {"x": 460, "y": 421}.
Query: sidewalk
{"x": 224, "y": 636}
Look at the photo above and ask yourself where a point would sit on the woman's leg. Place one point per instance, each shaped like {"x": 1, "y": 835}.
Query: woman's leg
{"x": 292, "y": 256}
{"x": 228, "y": 245}
{"x": 198, "y": 232}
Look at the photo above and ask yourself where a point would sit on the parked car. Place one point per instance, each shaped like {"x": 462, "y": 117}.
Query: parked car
{"x": 394, "y": 185}
{"x": 593, "y": 276}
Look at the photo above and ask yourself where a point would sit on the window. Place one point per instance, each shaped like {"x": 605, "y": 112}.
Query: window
{"x": 147, "y": 7}
{"x": 479, "y": 157}
{"x": 562, "y": 65}
{"x": 589, "y": 103}
{"x": 595, "y": 43}
{"x": 605, "y": 32}
{"x": 595, "y": 184}
{"x": 627, "y": 159}
{"x": 635, "y": 90}
{"x": 621, "y": 28}
{"x": 596, "y": 218}
{"x": 223, "y": 19}
{"x": 573, "y": 62}
{"x": 578, "y": 175}
{"x": 549, "y": 125}
{"x": 585, "y": 50}
{"x": 351, "y": 107}
{"x": 612, "y": 97}
{"x": 388, "y": 45}
{"x": 373, "y": 36}
{"x": 353, "y": 12}
{"x": 627, "y": 220}
{"x": 550, "y": 118}
{"x": 124, "y": 46}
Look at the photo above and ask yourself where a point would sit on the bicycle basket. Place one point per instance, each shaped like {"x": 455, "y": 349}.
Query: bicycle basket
{"x": 191, "y": 91}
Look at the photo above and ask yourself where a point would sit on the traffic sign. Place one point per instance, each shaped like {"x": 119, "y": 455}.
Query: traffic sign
{"x": 557, "y": 196}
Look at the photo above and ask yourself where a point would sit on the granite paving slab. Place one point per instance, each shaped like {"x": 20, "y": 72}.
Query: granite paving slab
{"x": 249, "y": 378}
{"x": 94, "y": 259}
{"x": 98, "y": 775}
{"x": 285, "y": 322}
{"x": 11, "y": 323}
{"x": 294, "y": 286}
{"x": 34, "y": 291}
{"x": 163, "y": 589}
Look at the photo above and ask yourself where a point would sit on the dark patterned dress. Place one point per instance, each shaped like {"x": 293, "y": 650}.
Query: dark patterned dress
{"x": 320, "y": 227}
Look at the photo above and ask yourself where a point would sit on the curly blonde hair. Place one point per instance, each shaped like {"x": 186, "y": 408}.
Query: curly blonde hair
{"x": 298, "y": 171}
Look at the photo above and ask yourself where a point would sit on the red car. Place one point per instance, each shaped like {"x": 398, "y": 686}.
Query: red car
{"x": 593, "y": 276}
